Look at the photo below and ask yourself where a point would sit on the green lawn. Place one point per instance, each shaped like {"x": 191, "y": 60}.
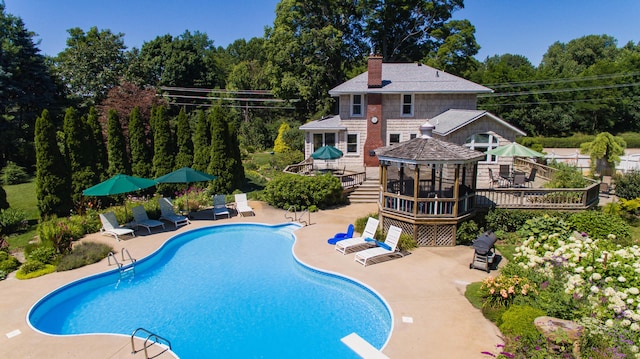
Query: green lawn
{"x": 23, "y": 196}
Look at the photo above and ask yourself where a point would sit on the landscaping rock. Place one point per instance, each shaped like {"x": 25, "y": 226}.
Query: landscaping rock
{"x": 560, "y": 331}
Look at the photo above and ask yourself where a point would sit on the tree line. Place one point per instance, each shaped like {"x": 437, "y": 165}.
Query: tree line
{"x": 587, "y": 85}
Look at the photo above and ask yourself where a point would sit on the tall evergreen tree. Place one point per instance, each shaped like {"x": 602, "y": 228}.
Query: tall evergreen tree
{"x": 97, "y": 149}
{"x": 202, "y": 142}
{"x": 140, "y": 145}
{"x": 116, "y": 147}
{"x": 53, "y": 184}
{"x": 163, "y": 153}
{"x": 225, "y": 154}
{"x": 184, "y": 157}
{"x": 77, "y": 137}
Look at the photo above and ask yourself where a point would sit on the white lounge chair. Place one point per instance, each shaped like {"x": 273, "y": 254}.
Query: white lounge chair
{"x": 391, "y": 244}
{"x": 169, "y": 215}
{"x": 111, "y": 226}
{"x": 140, "y": 218}
{"x": 242, "y": 205}
{"x": 220, "y": 206}
{"x": 352, "y": 243}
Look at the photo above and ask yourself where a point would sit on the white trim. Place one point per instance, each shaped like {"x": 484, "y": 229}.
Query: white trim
{"x": 484, "y": 145}
{"x": 402, "y": 104}
{"x": 352, "y": 104}
{"x": 389, "y": 138}
{"x": 357, "y": 143}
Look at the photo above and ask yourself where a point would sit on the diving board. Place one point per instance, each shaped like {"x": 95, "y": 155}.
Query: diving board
{"x": 362, "y": 347}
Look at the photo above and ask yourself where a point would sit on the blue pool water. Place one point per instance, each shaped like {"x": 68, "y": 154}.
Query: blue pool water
{"x": 229, "y": 291}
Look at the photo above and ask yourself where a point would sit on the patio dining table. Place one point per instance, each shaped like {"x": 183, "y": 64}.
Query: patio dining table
{"x": 512, "y": 175}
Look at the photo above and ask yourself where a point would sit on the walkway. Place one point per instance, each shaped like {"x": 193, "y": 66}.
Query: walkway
{"x": 432, "y": 318}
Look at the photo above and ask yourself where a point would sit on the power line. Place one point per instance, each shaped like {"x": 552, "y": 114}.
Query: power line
{"x": 233, "y": 106}
{"x": 552, "y": 102}
{"x": 537, "y": 92}
{"x": 561, "y": 80}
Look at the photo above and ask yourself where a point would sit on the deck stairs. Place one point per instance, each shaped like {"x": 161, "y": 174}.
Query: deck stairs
{"x": 367, "y": 192}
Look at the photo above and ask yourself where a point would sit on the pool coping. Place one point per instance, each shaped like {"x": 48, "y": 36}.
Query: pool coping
{"x": 424, "y": 293}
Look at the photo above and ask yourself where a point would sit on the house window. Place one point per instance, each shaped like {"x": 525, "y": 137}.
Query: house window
{"x": 352, "y": 143}
{"x": 407, "y": 105}
{"x": 394, "y": 138}
{"x": 323, "y": 139}
{"x": 412, "y": 136}
{"x": 356, "y": 105}
{"x": 483, "y": 142}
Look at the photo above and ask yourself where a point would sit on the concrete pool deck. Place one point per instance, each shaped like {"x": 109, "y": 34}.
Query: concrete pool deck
{"x": 432, "y": 318}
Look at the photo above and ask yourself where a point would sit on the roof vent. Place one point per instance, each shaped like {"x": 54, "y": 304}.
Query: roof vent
{"x": 426, "y": 130}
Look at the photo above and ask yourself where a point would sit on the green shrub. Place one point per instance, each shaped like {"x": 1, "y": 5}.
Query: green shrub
{"x": 599, "y": 225}
{"x": 3, "y": 275}
{"x": 14, "y": 174}
{"x": 288, "y": 190}
{"x": 84, "y": 254}
{"x": 44, "y": 254}
{"x": 12, "y": 220}
{"x": 628, "y": 185}
{"x": 518, "y": 320}
{"x": 467, "y": 232}
{"x": 510, "y": 220}
{"x": 33, "y": 269}
{"x": 57, "y": 233}
{"x": 406, "y": 242}
{"x": 566, "y": 176}
{"x": 8, "y": 263}
{"x": 544, "y": 225}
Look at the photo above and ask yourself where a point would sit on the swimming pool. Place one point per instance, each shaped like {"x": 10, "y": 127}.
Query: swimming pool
{"x": 226, "y": 291}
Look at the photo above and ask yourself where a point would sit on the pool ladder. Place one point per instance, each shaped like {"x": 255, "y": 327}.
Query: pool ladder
{"x": 293, "y": 215}
{"x": 124, "y": 269}
{"x": 149, "y": 341}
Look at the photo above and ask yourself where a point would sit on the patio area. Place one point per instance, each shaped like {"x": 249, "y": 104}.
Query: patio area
{"x": 425, "y": 290}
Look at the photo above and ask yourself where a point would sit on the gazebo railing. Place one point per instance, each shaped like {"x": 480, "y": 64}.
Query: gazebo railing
{"x": 428, "y": 207}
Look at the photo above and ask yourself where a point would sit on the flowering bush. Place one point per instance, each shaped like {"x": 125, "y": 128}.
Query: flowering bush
{"x": 502, "y": 290}
{"x": 605, "y": 275}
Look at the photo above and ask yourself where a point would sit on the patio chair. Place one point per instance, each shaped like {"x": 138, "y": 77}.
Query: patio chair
{"x": 242, "y": 205}
{"x": 342, "y": 236}
{"x": 383, "y": 250}
{"x": 352, "y": 243}
{"x": 169, "y": 215}
{"x": 140, "y": 218}
{"x": 505, "y": 172}
{"x": 110, "y": 226}
{"x": 495, "y": 180}
{"x": 519, "y": 180}
{"x": 532, "y": 177}
{"x": 220, "y": 206}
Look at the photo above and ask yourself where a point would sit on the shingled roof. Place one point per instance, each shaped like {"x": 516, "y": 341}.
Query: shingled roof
{"x": 410, "y": 78}
{"x": 428, "y": 150}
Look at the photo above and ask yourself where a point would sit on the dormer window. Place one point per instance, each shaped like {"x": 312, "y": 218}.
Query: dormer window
{"x": 356, "y": 105}
{"x": 407, "y": 105}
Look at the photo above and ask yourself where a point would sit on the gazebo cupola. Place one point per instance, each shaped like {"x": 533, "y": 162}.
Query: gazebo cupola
{"x": 427, "y": 187}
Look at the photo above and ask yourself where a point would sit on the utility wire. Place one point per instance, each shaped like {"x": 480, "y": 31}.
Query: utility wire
{"x": 552, "y": 102}
{"x": 536, "y": 92}
{"x": 561, "y": 80}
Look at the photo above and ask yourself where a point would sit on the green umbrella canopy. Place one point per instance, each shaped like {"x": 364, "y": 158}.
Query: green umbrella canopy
{"x": 119, "y": 184}
{"x": 327, "y": 153}
{"x": 185, "y": 175}
{"x": 514, "y": 150}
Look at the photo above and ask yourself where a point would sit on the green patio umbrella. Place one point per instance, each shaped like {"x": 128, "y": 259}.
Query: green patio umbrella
{"x": 185, "y": 175}
{"x": 514, "y": 149}
{"x": 326, "y": 153}
{"x": 119, "y": 184}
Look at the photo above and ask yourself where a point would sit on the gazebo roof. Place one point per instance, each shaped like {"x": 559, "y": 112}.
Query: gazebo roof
{"x": 428, "y": 150}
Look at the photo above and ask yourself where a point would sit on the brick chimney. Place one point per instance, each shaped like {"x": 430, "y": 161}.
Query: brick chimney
{"x": 375, "y": 122}
{"x": 375, "y": 71}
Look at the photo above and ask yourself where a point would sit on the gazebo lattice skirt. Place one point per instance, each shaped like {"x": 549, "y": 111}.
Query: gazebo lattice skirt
{"x": 426, "y": 235}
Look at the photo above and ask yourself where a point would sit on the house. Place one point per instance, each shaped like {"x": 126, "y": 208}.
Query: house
{"x": 387, "y": 105}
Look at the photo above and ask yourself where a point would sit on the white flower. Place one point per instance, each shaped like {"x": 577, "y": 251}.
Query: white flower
{"x": 595, "y": 289}
{"x": 596, "y": 276}
{"x": 634, "y": 291}
{"x": 609, "y": 323}
{"x": 625, "y": 322}
{"x": 622, "y": 279}
{"x": 635, "y": 327}
{"x": 589, "y": 269}
{"x": 608, "y": 279}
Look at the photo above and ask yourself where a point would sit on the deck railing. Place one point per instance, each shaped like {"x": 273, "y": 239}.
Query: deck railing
{"x": 539, "y": 198}
{"x": 428, "y": 207}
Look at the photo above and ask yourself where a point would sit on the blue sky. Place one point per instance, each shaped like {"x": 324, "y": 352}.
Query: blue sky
{"x": 524, "y": 27}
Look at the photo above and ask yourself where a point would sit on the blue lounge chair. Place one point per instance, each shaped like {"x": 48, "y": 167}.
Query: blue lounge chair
{"x": 340, "y": 236}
